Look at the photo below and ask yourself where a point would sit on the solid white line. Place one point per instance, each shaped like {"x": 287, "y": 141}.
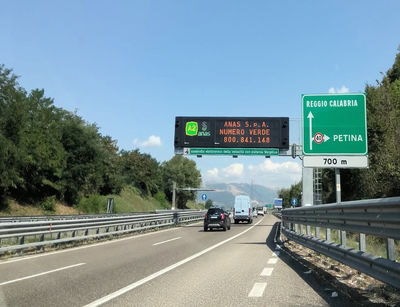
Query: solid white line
{"x": 89, "y": 246}
{"x": 130, "y": 287}
{"x": 273, "y": 260}
{"x": 258, "y": 289}
{"x": 267, "y": 272}
{"x": 40, "y": 274}
{"x": 276, "y": 254}
{"x": 167, "y": 241}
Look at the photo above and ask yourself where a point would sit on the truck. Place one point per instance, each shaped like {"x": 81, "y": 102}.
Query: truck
{"x": 242, "y": 210}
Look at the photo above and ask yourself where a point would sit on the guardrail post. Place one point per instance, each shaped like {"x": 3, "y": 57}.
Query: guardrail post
{"x": 390, "y": 249}
{"x": 301, "y": 229}
{"x": 343, "y": 240}
{"x": 361, "y": 242}
{"x": 317, "y": 232}
{"x": 308, "y": 229}
{"x": 22, "y": 240}
{"x": 296, "y": 228}
{"x": 86, "y": 232}
{"x": 73, "y": 234}
{"x": 328, "y": 235}
{"x": 42, "y": 237}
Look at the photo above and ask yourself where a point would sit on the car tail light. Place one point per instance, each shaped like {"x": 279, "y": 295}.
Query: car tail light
{"x": 222, "y": 216}
{"x": 249, "y": 211}
{"x": 205, "y": 216}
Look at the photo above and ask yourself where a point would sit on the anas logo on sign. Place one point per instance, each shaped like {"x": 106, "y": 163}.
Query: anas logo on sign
{"x": 192, "y": 128}
{"x": 204, "y": 129}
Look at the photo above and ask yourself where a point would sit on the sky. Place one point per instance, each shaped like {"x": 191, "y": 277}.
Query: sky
{"x": 132, "y": 66}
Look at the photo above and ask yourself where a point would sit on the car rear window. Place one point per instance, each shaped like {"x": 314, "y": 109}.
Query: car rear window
{"x": 214, "y": 211}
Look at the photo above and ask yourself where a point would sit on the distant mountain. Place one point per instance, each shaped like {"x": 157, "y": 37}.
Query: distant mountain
{"x": 225, "y": 193}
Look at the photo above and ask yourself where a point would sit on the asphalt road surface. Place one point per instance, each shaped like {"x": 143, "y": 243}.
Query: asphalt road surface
{"x": 182, "y": 266}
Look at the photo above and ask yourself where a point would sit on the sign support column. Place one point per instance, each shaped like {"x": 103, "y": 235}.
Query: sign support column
{"x": 173, "y": 195}
{"x": 338, "y": 187}
{"x": 308, "y": 195}
{"x": 339, "y": 200}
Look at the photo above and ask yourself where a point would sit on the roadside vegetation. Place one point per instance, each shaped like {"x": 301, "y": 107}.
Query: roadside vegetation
{"x": 50, "y": 156}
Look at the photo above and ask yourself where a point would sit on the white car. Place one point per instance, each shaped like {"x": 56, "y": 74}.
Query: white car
{"x": 260, "y": 212}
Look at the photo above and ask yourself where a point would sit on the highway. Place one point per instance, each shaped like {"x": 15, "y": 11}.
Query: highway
{"x": 180, "y": 266}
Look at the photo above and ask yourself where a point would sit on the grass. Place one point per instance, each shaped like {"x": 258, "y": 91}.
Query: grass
{"x": 129, "y": 200}
{"x": 16, "y": 209}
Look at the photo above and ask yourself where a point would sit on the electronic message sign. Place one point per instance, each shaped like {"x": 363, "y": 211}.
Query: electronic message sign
{"x": 232, "y": 132}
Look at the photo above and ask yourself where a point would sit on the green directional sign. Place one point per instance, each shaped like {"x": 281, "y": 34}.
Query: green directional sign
{"x": 335, "y": 124}
{"x": 232, "y": 151}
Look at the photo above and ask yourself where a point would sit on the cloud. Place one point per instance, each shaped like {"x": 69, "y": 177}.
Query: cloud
{"x": 213, "y": 173}
{"x": 235, "y": 169}
{"x": 269, "y": 166}
{"x": 152, "y": 141}
{"x": 341, "y": 90}
{"x": 268, "y": 173}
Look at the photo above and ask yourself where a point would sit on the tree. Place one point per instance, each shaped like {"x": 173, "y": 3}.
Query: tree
{"x": 293, "y": 192}
{"x": 42, "y": 156}
{"x": 184, "y": 172}
{"x": 141, "y": 171}
{"x": 208, "y": 204}
{"x": 112, "y": 179}
{"x": 11, "y": 114}
{"x": 83, "y": 174}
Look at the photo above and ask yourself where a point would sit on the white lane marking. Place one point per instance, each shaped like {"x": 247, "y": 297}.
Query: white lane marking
{"x": 91, "y": 245}
{"x": 40, "y": 274}
{"x": 138, "y": 283}
{"x": 258, "y": 289}
{"x": 273, "y": 260}
{"x": 276, "y": 254}
{"x": 167, "y": 241}
{"x": 267, "y": 272}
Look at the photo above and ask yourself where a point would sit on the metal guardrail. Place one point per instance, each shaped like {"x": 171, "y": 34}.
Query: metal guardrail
{"x": 378, "y": 217}
{"x": 33, "y": 234}
{"x": 17, "y": 219}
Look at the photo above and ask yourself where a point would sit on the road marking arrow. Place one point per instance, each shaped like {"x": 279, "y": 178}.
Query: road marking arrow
{"x": 310, "y": 117}
{"x": 326, "y": 138}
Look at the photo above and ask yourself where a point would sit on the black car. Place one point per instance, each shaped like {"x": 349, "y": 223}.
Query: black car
{"x": 217, "y": 218}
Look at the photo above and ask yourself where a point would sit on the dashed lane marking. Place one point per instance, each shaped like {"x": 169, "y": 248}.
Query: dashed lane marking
{"x": 40, "y": 274}
{"x": 273, "y": 260}
{"x": 267, "y": 272}
{"x": 166, "y": 241}
{"x": 258, "y": 289}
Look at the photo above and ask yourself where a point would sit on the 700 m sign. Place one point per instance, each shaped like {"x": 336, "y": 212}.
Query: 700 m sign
{"x": 336, "y": 161}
